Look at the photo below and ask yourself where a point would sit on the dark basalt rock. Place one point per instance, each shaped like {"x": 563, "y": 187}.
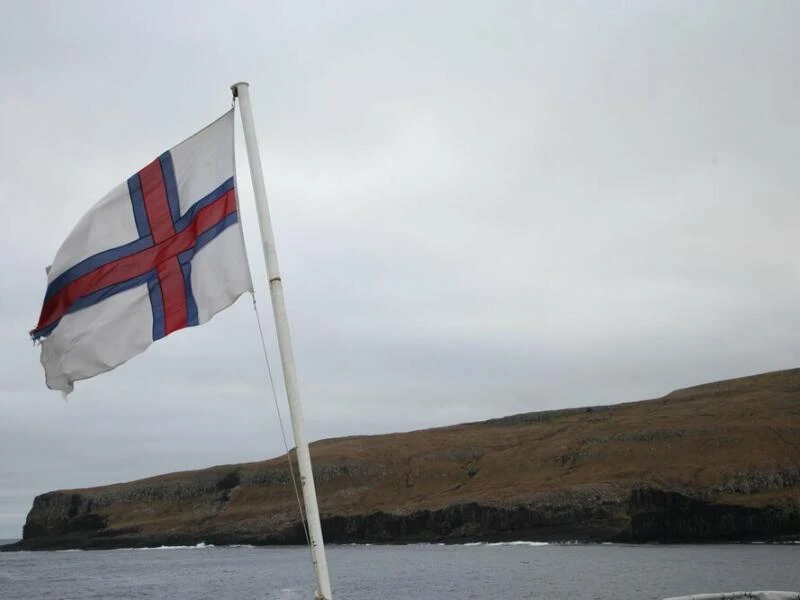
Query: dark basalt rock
{"x": 664, "y": 516}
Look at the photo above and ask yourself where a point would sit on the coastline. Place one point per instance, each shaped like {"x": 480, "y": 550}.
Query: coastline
{"x": 713, "y": 463}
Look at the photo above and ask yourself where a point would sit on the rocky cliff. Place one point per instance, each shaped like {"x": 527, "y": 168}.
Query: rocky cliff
{"x": 714, "y": 462}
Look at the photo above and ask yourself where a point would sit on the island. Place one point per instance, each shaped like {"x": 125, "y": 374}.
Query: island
{"x": 718, "y": 462}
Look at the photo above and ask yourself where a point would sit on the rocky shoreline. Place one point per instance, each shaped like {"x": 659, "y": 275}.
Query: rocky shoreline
{"x": 647, "y": 516}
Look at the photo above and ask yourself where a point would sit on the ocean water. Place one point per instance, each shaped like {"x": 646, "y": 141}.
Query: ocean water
{"x": 430, "y": 572}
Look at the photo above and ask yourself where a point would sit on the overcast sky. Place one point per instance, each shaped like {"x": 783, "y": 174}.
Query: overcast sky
{"x": 481, "y": 209}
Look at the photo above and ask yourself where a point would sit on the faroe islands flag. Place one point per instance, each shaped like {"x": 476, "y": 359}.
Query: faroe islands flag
{"x": 162, "y": 251}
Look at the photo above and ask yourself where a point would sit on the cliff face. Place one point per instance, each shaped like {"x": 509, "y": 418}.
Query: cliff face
{"x": 715, "y": 462}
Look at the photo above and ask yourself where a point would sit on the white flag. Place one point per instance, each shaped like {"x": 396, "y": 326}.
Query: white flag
{"x": 162, "y": 251}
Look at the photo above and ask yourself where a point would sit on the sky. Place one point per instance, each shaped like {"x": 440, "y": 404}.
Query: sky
{"x": 481, "y": 209}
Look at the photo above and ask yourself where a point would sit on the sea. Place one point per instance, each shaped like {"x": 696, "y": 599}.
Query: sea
{"x": 485, "y": 571}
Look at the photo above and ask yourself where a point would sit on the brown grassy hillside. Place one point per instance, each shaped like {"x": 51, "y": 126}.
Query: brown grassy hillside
{"x": 715, "y": 461}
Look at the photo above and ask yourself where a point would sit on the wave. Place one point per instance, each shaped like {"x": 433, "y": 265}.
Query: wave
{"x": 514, "y": 543}
{"x": 196, "y": 546}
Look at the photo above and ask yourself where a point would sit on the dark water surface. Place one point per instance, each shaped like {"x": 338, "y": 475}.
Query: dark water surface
{"x": 484, "y": 571}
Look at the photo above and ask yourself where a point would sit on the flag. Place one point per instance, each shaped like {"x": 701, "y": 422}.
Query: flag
{"x": 161, "y": 251}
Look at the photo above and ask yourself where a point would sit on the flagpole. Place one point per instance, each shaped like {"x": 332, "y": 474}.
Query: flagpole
{"x": 241, "y": 91}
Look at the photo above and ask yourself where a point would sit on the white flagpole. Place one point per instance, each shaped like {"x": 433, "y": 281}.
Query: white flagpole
{"x": 323, "y": 591}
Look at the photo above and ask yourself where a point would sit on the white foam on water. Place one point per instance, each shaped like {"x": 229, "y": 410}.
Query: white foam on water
{"x": 513, "y": 543}
{"x": 519, "y": 543}
{"x": 196, "y": 546}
